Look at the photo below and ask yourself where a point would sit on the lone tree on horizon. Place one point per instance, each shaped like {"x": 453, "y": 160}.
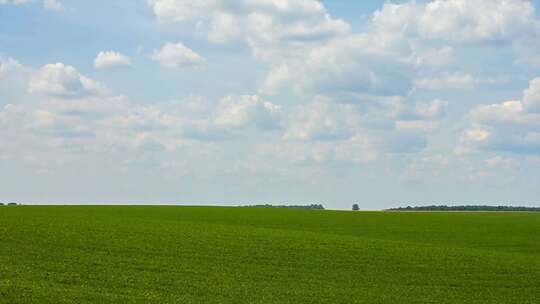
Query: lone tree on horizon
{"x": 355, "y": 207}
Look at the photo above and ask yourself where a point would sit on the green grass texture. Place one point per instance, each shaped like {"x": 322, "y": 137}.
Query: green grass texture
{"x": 170, "y": 254}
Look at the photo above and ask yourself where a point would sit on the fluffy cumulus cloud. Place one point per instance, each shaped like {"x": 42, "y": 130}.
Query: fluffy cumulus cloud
{"x": 512, "y": 126}
{"x": 346, "y": 85}
{"x": 363, "y": 63}
{"x": 177, "y": 55}
{"x": 66, "y": 117}
{"x": 239, "y": 112}
{"x": 111, "y": 59}
{"x": 64, "y": 81}
{"x": 228, "y": 118}
{"x": 369, "y": 78}
{"x": 468, "y": 21}
{"x": 263, "y": 25}
{"x": 472, "y": 22}
{"x": 304, "y": 43}
{"x": 396, "y": 128}
{"x": 67, "y": 110}
{"x": 113, "y": 123}
{"x": 322, "y": 120}
{"x": 322, "y": 96}
{"x": 359, "y": 63}
{"x": 405, "y": 42}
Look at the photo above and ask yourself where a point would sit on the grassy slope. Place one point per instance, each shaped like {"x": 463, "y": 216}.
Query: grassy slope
{"x": 237, "y": 255}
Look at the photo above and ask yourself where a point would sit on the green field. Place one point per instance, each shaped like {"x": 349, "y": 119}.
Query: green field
{"x": 92, "y": 254}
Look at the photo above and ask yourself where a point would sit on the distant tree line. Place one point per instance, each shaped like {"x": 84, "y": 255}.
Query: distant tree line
{"x": 465, "y": 208}
{"x": 311, "y": 206}
{"x": 9, "y": 204}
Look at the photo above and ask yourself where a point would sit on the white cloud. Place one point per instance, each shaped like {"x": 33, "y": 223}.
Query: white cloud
{"x": 333, "y": 95}
{"x": 395, "y": 128}
{"x": 404, "y": 40}
{"x": 462, "y": 21}
{"x": 322, "y": 120}
{"x": 111, "y": 59}
{"x": 53, "y": 5}
{"x": 177, "y": 55}
{"x": 435, "y": 57}
{"x": 63, "y": 81}
{"x": 506, "y": 113}
{"x": 227, "y": 118}
{"x": 15, "y": 2}
{"x": 415, "y": 125}
{"x": 263, "y": 25}
{"x": 175, "y": 11}
{"x": 455, "y": 81}
{"x": 359, "y": 63}
{"x": 278, "y": 77}
{"x": 358, "y": 150}
{"x": 13, "y": 81}
{"x": 85, "y": 120}
{"x": 531, "y": 96}
{"x": 109, "y": 123}
{"x": 310, "y": 52}
{"x": 512, "y": 126}
{"x": 8, "y": 66}
{"x": 238, "y": 112}
{"x": 501, "y": 162}
{"x": 90, "y": 124}
{"x": 434, "y": 110}
{"x": 499, "y": 23}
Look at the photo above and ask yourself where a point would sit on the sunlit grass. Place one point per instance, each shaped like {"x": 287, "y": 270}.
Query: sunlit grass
{"x": 92, "y": 254}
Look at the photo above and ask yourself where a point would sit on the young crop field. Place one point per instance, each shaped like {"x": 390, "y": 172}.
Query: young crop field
{"x": 121, "y": 254}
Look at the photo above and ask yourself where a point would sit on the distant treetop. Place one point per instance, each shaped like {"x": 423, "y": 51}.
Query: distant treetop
{"x": 465, "y": 208}
{"x": 312, "y": 206}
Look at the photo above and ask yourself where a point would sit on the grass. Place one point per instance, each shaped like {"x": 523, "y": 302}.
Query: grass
{"x": 92, "y": 254}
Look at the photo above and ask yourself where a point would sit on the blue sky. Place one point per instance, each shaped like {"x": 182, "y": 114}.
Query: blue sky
{"x": 216, "y": 102}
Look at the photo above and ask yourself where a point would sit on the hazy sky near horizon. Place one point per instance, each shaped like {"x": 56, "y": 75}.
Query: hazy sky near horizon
{"x": 381, "y": 103}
